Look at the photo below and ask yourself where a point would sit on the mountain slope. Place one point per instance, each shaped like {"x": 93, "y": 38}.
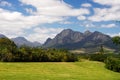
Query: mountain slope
{"x": 19, "y": 41}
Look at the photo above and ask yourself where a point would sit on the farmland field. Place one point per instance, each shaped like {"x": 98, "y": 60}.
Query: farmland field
{"x": 85, "y": 70}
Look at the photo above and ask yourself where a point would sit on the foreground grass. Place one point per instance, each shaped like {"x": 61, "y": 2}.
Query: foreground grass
{"x": 86, "y": 70}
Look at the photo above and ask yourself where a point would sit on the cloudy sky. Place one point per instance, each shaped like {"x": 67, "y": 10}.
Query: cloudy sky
{"x": 37, "y": 20}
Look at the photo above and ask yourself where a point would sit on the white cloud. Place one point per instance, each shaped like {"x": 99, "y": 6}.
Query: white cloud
{"x": 42, "y": 33}
{"x": 114, "y": 34}
{"x": 108, "y": 2}
{"x": 56, "y": 8}
{"x": 106, "y": 14}
{"x": 108, "y": 26}
{"x": 5, "y": 3}
{"x": 65, "y": 22}
{"x": 86, "y": 5}
{"x": 90, "y": 24}
{"x": 81, "y": 18}
{"x": 14, "y": 23}
{"x": 87, "y": 24}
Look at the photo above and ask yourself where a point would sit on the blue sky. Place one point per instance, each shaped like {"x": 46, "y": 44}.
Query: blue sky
{"x": 38, "y": 20}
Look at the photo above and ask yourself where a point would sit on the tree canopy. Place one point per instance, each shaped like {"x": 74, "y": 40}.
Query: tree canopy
{"x": 116, "y": 40}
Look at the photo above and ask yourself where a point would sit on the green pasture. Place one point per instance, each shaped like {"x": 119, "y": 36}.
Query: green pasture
{"x": 85, "y": 70}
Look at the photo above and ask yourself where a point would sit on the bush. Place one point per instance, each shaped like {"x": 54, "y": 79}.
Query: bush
{"x": 113, "y": 64}
{"x": 98, "y": 57}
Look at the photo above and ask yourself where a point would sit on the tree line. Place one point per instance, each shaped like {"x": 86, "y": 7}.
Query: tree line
{"x": 9, "y": 52}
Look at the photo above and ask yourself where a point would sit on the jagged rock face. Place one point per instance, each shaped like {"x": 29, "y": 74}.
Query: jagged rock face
{"x": 73, "y": 39}
{"x": 97, "y": 37}
{"x": 68, "y": 36}
{"x": 65, "y": 37}
{"x": 19, "y": 41}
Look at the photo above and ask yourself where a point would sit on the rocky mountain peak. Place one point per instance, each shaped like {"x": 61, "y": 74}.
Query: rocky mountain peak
{"x": 87, "y": 33}
{"x": 65, "y": 37}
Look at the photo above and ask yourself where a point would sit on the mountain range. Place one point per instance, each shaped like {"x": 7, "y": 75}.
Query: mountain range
{"x": 72, "y": 40}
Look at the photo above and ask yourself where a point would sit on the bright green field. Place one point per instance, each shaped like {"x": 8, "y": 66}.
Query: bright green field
{"x": 86, "y": 70}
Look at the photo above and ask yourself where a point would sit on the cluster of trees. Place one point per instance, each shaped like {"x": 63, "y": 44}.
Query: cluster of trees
{"x": 98, "y": 57}
{"x": 113, "y": 63}
{"x": 9, "y": 52}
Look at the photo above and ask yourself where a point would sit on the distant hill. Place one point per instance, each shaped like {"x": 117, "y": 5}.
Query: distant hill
{"x": 19, "y": 41}
{"x": 2, "y": 36}
{"x": 70, "y": 39}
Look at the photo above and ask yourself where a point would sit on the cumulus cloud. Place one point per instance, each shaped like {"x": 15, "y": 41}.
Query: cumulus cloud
{"x": 42, "y": 33}
{"x": 14, "y": 23}
{"x": 56, "y": 8}
{"x": 106, "y": 14}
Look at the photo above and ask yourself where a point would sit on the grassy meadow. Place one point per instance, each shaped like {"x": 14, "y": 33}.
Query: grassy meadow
{"x": 85, "y": 70}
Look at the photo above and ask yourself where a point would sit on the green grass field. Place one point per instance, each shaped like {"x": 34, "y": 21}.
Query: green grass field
{"x": 86, "y": 70}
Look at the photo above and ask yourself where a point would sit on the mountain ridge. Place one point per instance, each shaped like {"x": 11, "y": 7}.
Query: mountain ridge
{"x": 20, "y": 41}
{"x": 70, "y": 39}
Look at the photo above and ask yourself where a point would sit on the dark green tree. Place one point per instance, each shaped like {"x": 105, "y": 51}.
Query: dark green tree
{"x": 116, "y": 41}
{"x": 7, "y": 49}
